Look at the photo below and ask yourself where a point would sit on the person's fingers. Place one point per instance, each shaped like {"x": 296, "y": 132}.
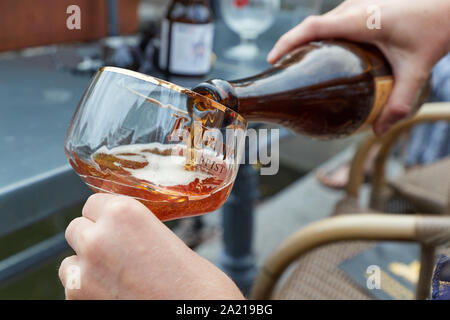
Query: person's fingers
{"x": 76, "y": 233}
{"x": 94, "y": 206}
{"x": 347, "y": 26}
{"x": 101, "y": 204}
{"x": 408, "y": 83}
{"x": 69, "y": 272}
{"x": 76, "y": 286}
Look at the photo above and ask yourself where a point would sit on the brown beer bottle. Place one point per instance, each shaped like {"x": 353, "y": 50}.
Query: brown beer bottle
{"x": 325, "y": 89}
{"x": 187, "y": 38}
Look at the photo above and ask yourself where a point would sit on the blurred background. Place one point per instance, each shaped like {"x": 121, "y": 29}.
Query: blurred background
{"x": 44, "y": 68}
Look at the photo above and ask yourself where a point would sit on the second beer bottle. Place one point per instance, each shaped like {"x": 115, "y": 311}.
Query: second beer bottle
{"x": 187, "y": 38}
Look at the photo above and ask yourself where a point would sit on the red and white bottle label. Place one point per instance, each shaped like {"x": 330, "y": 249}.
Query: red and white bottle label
{"x": 190, "y": 47}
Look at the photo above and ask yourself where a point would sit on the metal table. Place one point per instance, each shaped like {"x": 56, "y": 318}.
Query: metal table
{"x": 37, "y": 102}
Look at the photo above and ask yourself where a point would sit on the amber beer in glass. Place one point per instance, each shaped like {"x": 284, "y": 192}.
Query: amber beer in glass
{"x": 132, "y": 135}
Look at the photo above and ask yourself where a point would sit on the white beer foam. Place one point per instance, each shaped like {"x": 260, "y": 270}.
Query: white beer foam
{"x": 161, "y": 170}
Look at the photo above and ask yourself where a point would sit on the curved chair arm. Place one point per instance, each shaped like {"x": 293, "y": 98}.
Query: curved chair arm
{"x": 356, "y": 174}
{"x": 430, "y": 112}
{"x": 348, "y": 227}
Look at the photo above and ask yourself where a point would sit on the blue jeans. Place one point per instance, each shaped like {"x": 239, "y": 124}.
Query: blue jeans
{"x": 430, "y": 142}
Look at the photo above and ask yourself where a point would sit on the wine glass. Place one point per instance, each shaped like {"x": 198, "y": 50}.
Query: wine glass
{"x": 248, "y": 18}
{"x": 175, "y": 151}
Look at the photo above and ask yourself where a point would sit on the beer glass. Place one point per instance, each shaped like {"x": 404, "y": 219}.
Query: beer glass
{"x": 248, "y": 18}
{"x": 175, "y": 151}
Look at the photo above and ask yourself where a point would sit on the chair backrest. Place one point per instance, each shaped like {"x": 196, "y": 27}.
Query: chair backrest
{"x": 429, "y": 231}
{"x": 430, "y": 112}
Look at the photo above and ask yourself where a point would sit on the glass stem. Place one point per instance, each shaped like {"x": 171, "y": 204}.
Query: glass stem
{"x": 248, "y": 41}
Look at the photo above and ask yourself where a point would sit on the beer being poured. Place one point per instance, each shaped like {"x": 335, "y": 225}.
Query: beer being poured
{"x": 155, "y": 174}
{"x": 325, "y": 89}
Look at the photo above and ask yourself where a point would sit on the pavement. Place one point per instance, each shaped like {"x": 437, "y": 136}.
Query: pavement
{"x": 301, "y": 202}
{"x": 297, "y": 205}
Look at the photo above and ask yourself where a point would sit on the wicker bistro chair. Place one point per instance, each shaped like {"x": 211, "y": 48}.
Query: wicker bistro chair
{"x": 424, "y": 189}
{"x": 306, "y": 265}
{"x": 315, "y": 274}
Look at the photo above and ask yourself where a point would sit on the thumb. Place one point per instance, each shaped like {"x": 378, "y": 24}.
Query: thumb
{"x": 408, "y": 84}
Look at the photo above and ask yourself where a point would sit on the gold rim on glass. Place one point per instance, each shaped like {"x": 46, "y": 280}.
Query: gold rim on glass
{"x": 171, "y": 86}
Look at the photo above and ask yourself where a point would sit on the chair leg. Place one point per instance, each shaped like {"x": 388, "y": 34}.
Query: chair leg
{"x": 426, "y": 271}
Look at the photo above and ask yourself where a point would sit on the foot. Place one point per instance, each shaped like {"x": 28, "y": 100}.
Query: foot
{"x": 336, "y": 178}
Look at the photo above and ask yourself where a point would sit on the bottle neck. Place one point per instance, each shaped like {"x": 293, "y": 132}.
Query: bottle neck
{"x": 264, "y": 91}
{"x": 221, "y": 91}
{"x": 250, "y": 95}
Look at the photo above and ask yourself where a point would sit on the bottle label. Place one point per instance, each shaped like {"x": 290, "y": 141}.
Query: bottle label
{"x": 383, "y": 87}
{"x": 190, "y": 47}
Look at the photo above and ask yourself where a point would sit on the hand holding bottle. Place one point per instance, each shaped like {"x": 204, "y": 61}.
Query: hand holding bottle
{"x": 414, "y": 35}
